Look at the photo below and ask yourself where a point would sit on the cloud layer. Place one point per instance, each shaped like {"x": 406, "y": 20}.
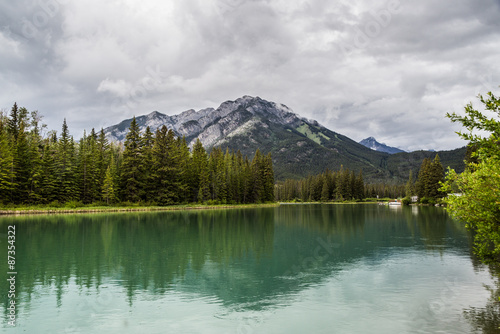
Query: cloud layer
{"x": 388, "y": 69}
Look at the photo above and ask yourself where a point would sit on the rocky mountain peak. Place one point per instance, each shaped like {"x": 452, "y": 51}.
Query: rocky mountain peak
{"x": 373, "y": 144}
{"x": 211, "y": 125}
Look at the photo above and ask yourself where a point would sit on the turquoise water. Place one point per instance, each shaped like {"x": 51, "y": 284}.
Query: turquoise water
{"x": 289, "y": 269}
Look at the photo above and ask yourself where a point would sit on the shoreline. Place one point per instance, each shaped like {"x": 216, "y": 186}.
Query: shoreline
{"x": 83, "y": 210}
{"x": 116, "y": 209}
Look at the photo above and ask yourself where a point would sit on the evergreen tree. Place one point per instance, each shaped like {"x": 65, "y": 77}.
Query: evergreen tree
{"x": 147, "y": 160}
{"x": 268, "y": 179}
{"x": 423, "y": 183}
{"x": 6, "y": 166}
{"x": 436, "y": 177}
{"x": 13, "y": 123}
{"x": 359, "y": 187}
{"x": 410, "y": 186}
{"x": 66, "y": 166}
{"x": 132, "y": 168}
{"x": 184, "y": 163}
{"x": 103, "y": 158}
{"x": 200, "y": 182}
{"x": 35, "y": 144}
{"x": 257, "y": 178}
{"x": 246, "y": 181}
{"x": 429, "y": 178}
{"x": 166, "y": 167}
{"x": 109, "y": 184}
{"x": 22, "y": 165}
{"x": 49, "y": 173}
{"x": 241, "y": 176}
{"x": 325, "y": 191}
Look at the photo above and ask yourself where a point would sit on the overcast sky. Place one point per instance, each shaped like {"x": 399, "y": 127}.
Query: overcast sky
{"x": 388, "y": 69}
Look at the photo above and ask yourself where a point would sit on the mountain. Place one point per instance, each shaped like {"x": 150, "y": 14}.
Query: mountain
{"x": 299, "y": 146}
{"x": 373, "y": 144}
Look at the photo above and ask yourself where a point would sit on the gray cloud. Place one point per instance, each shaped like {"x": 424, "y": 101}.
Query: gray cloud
{"x": 389, "y": 69}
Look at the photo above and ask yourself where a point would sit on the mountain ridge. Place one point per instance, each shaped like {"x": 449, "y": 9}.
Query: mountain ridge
{"x": 373, "y": 144}
{"x": 300, "y": 147}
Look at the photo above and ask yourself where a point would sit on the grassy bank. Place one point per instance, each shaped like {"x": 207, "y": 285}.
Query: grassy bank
{"x": 41, "y": 209}
{"x": 364, "y": 201}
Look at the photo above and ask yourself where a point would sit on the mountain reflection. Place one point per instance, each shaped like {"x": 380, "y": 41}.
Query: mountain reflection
{"x": 246, "y": 258}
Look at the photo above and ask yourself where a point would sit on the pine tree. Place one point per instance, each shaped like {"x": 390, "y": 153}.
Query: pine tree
{"x": 13, "y": 123}
{"x": 360, "y": 187}
{"x": 6, "y": 166}
{"x": 247, "y": 181}
{"x": 97, "y": 163}
{"x": 423, "y": 183}
{"x": 436, "y": 177}
{"x": 166, "y": 167}
{"x": 184, "y": 162}
{"x": 49, "y": 173}
{"x": 240, "y": 177}
{"x": 410, "y": 186}
{"x": 345, "y": 183}
{"x": 257, "y": 179}
{"x": 217, "y": 172}
{"x": 147, "y": 160}
{"x": 66, "y": 167}
{"x": 200, "y": 182}
{"x": 102, "y": 159}
{"x": 22, "y": 165}
{"x": 109, "y": 184}
{"x": 132, "y": 168}
{"x": 83, "y": 166}
{"x": 325, "y": 191}
{"x": 268, "y": 178}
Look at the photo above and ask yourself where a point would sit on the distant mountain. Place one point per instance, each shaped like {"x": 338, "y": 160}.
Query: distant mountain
{"x": 373, "y": 144}
{"x": 299, "y": 146}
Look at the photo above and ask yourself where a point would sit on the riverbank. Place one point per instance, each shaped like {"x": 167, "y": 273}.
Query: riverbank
{"x": 37, "y": 210}
{"x": 328, "y": 203}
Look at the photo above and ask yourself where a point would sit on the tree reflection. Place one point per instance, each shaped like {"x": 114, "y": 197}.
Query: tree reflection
{"x": 246, "y": 258}
{"x": 487, "y": 319}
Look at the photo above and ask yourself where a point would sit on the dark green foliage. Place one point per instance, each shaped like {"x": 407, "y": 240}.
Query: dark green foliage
{"x": 132, "y": 167}
{"x": 166, "y": 168}
{"x": 297, "y": 155}
{"x": 429, "y": 178}
{"x": 48, "y": 180}
{"x": 109, "y": 185}
{"x": 6, "y": 163}
{"x": 152, "y": 169}
{"x": 147, "y": 160}
{"x": 325, "y": 187}
{"x": 66, "y": 167}
{"x": 199, "y": 178}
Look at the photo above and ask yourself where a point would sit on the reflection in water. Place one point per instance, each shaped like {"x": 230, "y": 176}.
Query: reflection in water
{"x": 242, "y": 260}
{"x": 487, "y": 319}
{"x": 140, "y": 251}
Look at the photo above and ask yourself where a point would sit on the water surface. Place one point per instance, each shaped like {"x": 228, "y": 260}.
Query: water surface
{"x": 290, "y": 269}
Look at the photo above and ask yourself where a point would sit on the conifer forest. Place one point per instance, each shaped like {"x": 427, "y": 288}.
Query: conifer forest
{"x": 43, "y": 167}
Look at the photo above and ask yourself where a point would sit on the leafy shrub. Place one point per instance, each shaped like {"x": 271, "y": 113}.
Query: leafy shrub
{"x": 73, "y": 204}
{"x": 54, "y": 204}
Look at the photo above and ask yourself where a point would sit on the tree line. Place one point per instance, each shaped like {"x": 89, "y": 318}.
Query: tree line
{"x": 428, "y": 185}
{"x": 328, "y": 186}
{"x": 149, "y": 168}
{"x": 346, "y": 185}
